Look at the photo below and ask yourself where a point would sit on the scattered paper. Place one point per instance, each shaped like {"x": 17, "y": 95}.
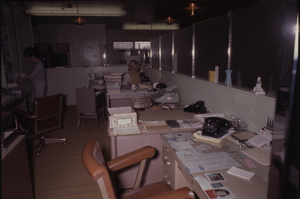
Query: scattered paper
{"x": 204, "y": 184}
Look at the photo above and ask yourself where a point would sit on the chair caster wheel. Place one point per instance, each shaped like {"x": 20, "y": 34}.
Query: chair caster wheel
{"x": 65, "y": 143}
{"x": 37, "y": 154}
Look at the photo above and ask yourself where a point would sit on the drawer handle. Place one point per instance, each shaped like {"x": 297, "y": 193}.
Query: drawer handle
{"x": 167, "y": 179}
{"x": 167, "y": 149}
{"x": 166, "y": 160}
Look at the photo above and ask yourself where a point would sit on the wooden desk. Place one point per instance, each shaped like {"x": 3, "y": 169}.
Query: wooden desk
{"x": 121, "y": 144}
{"x": 17, "y": 101}
{"x": 122, "y": 98}
{"x": 178, "y": 176}
{"x": 16, "y": 179}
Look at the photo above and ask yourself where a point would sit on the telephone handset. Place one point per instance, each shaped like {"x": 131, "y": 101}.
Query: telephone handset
{"x": 215, "y": 126}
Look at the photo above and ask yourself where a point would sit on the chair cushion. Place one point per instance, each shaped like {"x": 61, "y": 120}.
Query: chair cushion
{"x": 147, "y": 191}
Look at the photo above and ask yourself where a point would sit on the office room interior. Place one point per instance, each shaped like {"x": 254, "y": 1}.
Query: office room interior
{"x": 176, "y": 43}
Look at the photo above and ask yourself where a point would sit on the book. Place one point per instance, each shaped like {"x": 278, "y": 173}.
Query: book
{"x": 240, "y": 173}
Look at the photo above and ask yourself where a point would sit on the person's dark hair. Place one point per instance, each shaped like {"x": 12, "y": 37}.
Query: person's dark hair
{"x": 227, "y": 192}
{"x": 31, "y": 52}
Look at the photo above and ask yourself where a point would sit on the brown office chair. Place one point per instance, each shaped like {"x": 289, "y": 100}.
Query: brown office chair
{"x": 100, "y": 171}
{"x": 89, "y": 105}
{"x": 140, "y": 102}
{"x": 47, "y": 117}
{"x": 160, "y": 107}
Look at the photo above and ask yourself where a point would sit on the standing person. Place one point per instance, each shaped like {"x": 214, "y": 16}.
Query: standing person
{"x": 132, "y": 76}
{"x": 37, "y": 75}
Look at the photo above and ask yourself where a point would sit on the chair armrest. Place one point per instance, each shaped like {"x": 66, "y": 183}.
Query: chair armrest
{"x": 23, "y": 113}
{"x": 130, "y": 158}
{"x": 181, "y": 193}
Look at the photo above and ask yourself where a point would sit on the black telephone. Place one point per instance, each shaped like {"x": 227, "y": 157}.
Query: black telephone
{"x": 215, "y": 127}
{"x": 198, "y": 107}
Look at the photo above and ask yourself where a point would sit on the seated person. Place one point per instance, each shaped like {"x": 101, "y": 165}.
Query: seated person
{"x": 132, "y": 76}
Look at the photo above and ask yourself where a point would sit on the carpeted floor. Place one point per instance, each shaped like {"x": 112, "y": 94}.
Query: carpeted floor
{"x": 58, "y": 173}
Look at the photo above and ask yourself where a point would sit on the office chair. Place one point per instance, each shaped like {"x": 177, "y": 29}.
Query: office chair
{"x": 160, "y": 107}
{"x": 89, "y": 105}
{"x": 95, "y": 164}
{"x": 140, "y": 102}
{"x": 47, "y": 117}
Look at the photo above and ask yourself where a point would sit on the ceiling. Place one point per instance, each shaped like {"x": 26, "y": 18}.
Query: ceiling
{"x": 141, "y": 11}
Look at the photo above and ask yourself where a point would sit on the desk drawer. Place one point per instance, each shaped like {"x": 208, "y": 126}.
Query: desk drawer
{"x": 168, "y": 160}
{"x": 168, "y": 178}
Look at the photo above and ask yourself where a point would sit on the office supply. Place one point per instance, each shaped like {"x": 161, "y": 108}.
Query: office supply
{"x": 216, "y": 80}
{"x": 123, "y": 120}
{"x": 156, "y": 125}
{"x": 259, "y": 154}
{"x": 140, "y": 102}
{"x": 47, "y": 118}
{"x": 215, "y": 127}
{"x": 240, "y": 173}
{"x": 243, "y": 135}
{"x": 238, "y": 124}
{"x": 194, "y": 123}
{"x": 172, "y": 123}
{"x": 199, "y": 137}
{"x": 163, "y": 96}
{"x": 201, "y": 117}
{"x": 100, "y": 170}
{"x": 198, "y": 107}
{"x": 260, "y": 139}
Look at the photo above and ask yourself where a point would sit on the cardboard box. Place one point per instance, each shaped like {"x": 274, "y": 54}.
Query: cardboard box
{"x": 62, "y": 47}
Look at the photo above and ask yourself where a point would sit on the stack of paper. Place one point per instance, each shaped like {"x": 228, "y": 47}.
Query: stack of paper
{"x": 259, "y": 154}
{"x": 240, "y": 173}
{"x": 113, "y": 81}
{"x": 198, "y": 136}
{"x": 156, "y": 125}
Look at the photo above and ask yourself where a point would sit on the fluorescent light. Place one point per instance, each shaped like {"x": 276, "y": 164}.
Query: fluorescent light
{"x": 159, "y": 26}
{"x": 74, "y": 12}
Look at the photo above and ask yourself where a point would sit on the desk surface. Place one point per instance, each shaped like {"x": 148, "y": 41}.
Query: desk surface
{"x": 254, "y": 188}
{"x": 9, "y": 102}
{"x": 178, "y": 114}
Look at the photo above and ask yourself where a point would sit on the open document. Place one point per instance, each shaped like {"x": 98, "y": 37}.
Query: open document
{"x": 197, "y": 162}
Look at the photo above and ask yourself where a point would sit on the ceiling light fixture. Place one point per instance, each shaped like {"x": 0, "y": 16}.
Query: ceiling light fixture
{"x": 169, "y": 21}
{"x": 192, "y": 9}
{"x": 79, "y": 23}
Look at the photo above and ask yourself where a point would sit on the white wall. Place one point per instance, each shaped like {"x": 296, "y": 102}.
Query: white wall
{"x": 251, "y": 108}
{"x": 65, "y": 80}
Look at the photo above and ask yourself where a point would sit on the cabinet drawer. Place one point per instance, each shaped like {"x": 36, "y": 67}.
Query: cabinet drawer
{"x": 168, "y": 160}
{"x": 167, "y": 177}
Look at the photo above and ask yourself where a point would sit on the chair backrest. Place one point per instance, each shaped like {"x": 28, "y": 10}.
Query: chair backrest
{"x": 85, "y": 100}
{"x": 48, "y": 113}
{"x": 95, "y": 164}
{"x": 140, "y": 102}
